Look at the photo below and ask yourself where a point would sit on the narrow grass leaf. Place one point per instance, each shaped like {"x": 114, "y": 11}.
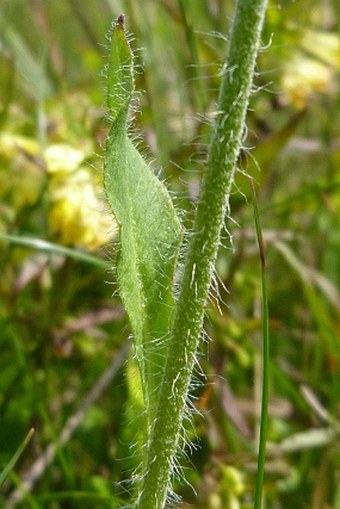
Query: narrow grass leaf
{"x": 34, "y": 78}
{"x": 317, "y": 304}
{"x": 56, "y": 249}
{"x": 265, "y": 363}
{"x": 15, "y": 457}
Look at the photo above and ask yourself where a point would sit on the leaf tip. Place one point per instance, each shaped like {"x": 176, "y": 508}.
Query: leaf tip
{"x": 121, "y": 20}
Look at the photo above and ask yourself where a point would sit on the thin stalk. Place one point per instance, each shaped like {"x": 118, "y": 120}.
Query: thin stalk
{"x": 15, "y": 457}
{"x": 265, "y": 360}
{"x": 226, "y": 141}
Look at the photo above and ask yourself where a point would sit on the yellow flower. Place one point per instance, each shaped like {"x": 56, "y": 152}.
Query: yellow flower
{"x": 21, "y": 177}
{"x": 323, "y": 45}
{"x": 312, "y": 68}
{"x": 12, "y": 144}
{"x": 304, "y": 77}
{"x": 62, "y": 158}
{"x": 77, "y": 216}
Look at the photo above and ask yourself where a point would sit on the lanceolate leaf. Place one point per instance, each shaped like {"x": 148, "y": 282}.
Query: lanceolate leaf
{"x": 149, "y": 229}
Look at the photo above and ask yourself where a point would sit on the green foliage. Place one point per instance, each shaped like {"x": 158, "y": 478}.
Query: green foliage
{"x": 61, "y": 328}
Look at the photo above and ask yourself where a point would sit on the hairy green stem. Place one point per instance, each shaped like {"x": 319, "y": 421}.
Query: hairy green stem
{"x": 226, "y": 141}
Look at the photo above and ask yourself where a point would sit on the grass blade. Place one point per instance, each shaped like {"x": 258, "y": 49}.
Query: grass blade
{"x": 265, "y": 375}
{"x": 50, "y": 247}
{"x": 15, "y": 457}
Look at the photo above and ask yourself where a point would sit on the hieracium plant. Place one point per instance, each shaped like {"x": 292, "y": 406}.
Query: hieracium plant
{"x": 166, "y": 324}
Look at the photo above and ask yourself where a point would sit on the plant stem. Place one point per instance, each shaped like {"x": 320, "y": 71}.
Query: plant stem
{"x": 265, "y": 354}
{"x": 226, "y": 141}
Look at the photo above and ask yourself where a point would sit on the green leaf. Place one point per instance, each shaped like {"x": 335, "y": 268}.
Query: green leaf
{"x": 54, "y": 249}
{"x": 149, "y": 230}
{"x": 265, "y": 358}
{"x": 16, "y": 456}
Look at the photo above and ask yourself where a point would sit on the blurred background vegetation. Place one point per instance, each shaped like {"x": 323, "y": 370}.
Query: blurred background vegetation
{"x": 64, "y": 335}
